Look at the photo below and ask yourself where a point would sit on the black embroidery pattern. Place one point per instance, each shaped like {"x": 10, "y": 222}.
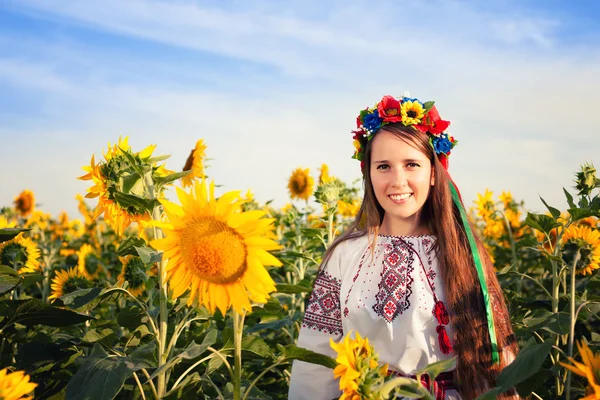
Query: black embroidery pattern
{"x": 323, "y": 310}
{"x": 393, "y": 297}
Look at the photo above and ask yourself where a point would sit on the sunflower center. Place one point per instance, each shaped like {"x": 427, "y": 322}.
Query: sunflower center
{"x": 213, "y": 250}
{"x": 411, "y": 113}
{"x": 299, "y": 184}
{"x": 13, "y": 254}
{"x": 75, "y": 283}
{"x": 91, "y": 264}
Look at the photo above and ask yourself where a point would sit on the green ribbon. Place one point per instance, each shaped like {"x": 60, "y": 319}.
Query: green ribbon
{"x": 480, "y": 272}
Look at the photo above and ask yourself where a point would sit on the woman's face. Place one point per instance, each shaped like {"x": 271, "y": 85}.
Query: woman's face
{"x": 401, "y": 176}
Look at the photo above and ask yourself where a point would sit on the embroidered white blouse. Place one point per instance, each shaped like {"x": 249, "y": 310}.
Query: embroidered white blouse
{"x": 385, "y": 296}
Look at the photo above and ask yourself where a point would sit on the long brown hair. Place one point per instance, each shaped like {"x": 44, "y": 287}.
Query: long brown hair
{"x": 475, "y": 371}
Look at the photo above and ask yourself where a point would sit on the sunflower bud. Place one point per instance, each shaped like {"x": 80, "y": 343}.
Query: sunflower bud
{"x": 328, "y": 194}
{"x": 586, "y": 179}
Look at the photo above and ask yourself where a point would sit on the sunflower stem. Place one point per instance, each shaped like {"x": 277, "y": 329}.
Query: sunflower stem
{"x": 330, "y": 228}
{"x": 238, "y": 330}
{"x": 573, "y": 320}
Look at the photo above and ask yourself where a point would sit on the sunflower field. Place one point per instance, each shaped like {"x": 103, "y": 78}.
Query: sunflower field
{"x": 202, "y": 296}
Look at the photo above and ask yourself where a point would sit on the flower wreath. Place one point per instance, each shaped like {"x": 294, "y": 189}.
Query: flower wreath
{"x": 410, "y": 112}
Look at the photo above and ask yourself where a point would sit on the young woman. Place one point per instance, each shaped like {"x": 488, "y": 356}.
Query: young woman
{"x": 409, "y": 274}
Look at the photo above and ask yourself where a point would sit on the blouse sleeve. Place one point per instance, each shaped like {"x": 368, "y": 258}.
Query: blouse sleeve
{"x": 322, "y": 321}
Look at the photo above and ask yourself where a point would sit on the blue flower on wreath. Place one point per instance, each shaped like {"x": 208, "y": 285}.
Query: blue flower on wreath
{"x": 372, "y": 121}
{"x": 441, "y": 144}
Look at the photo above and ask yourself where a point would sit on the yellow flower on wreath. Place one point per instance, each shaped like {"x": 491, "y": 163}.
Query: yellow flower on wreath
{"x": 412, "y": 112}
{"x": 20, "y": 252}
{"x": 15, "y": 385}
{"x": 301, "y": 184}
{"x": 25, "y": 202}
{"x": 215, "y": 250}
{"x": 195, "y": 164}
{"x": 105, "y": 187}
{"x": 67, "y": 281}
{"x": 88, "y": 262}
{"x": 133, "y": 272}
{"x": 588, "y": 242}
{"x": 589, "y": 368}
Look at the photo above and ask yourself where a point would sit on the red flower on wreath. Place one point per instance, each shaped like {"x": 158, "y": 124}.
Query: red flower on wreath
{"x": 389, "y": 109}
{"x": 432, "y": 123}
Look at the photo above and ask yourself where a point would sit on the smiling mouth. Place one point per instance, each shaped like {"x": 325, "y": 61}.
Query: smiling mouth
{"x": 400, "y": 197}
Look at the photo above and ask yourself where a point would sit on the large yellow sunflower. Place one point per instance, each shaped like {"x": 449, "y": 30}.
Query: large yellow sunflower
{"x": 25, "y": 202}
{"x": 67, "y": 281}
{"x": 216, "y": 251}
{"x": 301, "y": 184}
{"x": 195, "y": 164}
{"x": 15, "y": 385}
{"x": 88, "y": 263}
{"x": 133, "y": 272}
{"x": 589, "y": 368}
{"x": 107, "y": 177}
{"x": 412, "y": 112}
{"x": 588, "y": 242}
{"x": 22, "y": 253}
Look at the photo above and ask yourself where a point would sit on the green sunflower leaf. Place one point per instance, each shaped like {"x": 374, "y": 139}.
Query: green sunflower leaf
{"x": 569, "y": 198}
{"x": 165, "y": 180}
{"x": 138, "y": 204}
{"x": 555, "y": 212}
{"x": 149, "y": 255}
{"x": 7, "y": 234}
{"x": 293, "y": 352}
{"x": 541, "y": 222}
{"x": 9, "y": 278}
{"x": 128, "y": 247}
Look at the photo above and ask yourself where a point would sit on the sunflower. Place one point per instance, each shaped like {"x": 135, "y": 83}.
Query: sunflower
{"x": 84, "y": 210}
{"x": 507, "y": 199}
{"x": 15, "y": 385}
{"x": 5, "y": 224}
{"x": 324, "y": 176}
{"x": 589, "y": 368}
{"x": 216, "y": 251}
{"x": 107, "y": 177}
{"x": 38, "y": 219}
{"x": 195, "y": 164}
{"x": 25, "y": 202}
{"x": 349, "y": 210}
{"x": 301, "y": 184}
{"x": 22, "y": 253}
{"x": 485, "y": 204}
{"x": 358, "y": 367}
{"x": 88, "y": 263}
{"x": 134, "y": 272}
{"x": 67, "y": 281}
{"x": 587, "y": 240}
{"x": 412, "y": 112}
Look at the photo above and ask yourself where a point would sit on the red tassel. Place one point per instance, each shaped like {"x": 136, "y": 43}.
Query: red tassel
{"x": 444, "y": 340}
{"x": 441, "y": 313}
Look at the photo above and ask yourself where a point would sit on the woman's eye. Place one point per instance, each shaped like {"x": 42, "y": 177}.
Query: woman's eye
{"x": 413, "y": 165}
{"x": 382, "y": 166}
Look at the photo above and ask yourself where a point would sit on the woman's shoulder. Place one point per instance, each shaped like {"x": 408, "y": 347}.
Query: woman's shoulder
{"x": 351, "y": 247}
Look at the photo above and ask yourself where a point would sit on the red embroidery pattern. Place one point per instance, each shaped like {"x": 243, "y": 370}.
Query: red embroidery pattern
{"x": 393, "y": 297}
{"x": 323, "y": 310}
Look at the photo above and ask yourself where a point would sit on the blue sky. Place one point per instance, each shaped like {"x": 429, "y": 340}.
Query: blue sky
{"x": 274, "y": 85}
